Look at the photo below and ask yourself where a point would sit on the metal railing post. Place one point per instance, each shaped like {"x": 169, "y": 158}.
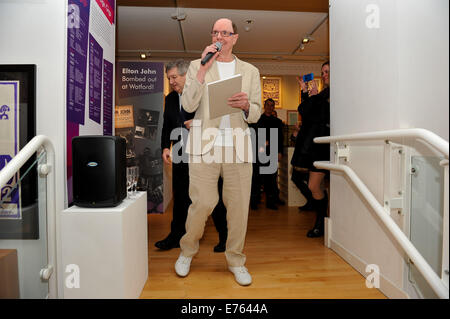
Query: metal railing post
{"x": 12, "y": 168}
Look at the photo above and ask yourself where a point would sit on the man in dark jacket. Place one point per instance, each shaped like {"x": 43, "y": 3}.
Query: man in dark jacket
{"x": 267, "y": 122}
{"x": 176, "y": 118}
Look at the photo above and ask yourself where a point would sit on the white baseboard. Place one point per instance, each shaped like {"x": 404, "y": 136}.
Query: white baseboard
{"x": 386, "y": 287}
{"x": 327, "y": 233}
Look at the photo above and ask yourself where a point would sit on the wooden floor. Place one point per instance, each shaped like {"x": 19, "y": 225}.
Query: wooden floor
{"x": 283, "y": 262}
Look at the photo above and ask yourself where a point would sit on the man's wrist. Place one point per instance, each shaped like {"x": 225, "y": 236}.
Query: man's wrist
{"x": 246, "y": 107}
{"x": 201, "y": 76}
{"x": 246, "y": 110}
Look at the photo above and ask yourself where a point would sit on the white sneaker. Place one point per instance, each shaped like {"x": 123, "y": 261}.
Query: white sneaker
{"x": 183, "y": 265}
{"x": 241, "y": 275}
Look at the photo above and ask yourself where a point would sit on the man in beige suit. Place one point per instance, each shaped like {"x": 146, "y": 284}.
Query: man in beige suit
{"x": 220, "y": 147}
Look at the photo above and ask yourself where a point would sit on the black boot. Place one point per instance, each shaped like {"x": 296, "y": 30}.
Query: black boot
{"x": 254, "y": 204}
{"x": 308, "y": 206}
{"x": 220, "y": 247}
{"x": 271, "y": 205}
{"x": 301, "y": 181}
{"x": 168, "y": 243}
{"x": 306, "y": 192}
{"x": 320, "y": 206}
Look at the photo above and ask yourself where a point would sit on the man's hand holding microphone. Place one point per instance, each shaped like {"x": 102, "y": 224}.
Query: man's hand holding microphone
{"x": 208, "y": 56}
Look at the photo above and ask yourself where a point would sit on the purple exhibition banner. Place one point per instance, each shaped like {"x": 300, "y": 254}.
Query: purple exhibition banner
{"x": 108, "y": 69}
{"x": 77, "y": 41}
{"x": 139, "y": 78}
{"x": 139, "y": 119}
{"x": 90, "y": 73}
{"x": 95, "y": 79}
{"x": 73, "y": 130}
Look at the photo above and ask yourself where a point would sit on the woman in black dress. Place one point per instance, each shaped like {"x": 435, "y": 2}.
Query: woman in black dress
{"x": 315, "y": 112}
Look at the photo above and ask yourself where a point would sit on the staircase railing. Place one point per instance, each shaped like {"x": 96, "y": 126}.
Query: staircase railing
{"x": 46, "y": 169}
{"x": 436, "y": 282}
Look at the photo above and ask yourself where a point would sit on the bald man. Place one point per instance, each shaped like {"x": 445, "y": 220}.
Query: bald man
{"x": 225, "y": 150}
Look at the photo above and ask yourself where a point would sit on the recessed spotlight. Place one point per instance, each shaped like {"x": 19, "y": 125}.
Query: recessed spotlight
{"x": 248, "y": 24}
{"x": 144, "y": 56}
{"x": 307, "y": 38}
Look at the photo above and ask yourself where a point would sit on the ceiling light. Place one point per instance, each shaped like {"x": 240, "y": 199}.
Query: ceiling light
{"x": 179, "y": 17}
{"x": 144, "y": 55}
{"x": 307, "y": 39}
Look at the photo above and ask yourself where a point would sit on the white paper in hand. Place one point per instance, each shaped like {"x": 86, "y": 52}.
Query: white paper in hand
{"x": 219, "y": 93}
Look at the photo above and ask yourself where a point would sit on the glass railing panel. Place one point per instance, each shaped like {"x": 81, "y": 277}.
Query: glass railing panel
{"x": 23, "y": 228}
{"x": 426, "y": 217}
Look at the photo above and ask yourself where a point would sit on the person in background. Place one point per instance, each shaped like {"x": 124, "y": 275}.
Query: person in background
{"x": 175, "y": 117}
{"x": 267, "y": 122}
{"x": 279, "y": 201}
{"x": 255, "y": 193}
{"x": 315, "y": 112}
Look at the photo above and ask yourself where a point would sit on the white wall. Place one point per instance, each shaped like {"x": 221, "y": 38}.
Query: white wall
{"x": 423, "y": 63}
{"x": 394, "y": 76}
{"x": 33, "y": 32}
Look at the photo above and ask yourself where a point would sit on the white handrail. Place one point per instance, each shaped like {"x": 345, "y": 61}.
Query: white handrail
{"x": 399, "y": 135}
{"x": 417, "y": 133}
{"x": 428, "y": 273}
{"x": 13, "y": 167}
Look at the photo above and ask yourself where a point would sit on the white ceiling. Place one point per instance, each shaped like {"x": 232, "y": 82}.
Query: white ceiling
{"x": 274, "y": 35}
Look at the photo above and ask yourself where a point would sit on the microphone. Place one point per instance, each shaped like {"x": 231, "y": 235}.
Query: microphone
{"x": 209, "y": 55}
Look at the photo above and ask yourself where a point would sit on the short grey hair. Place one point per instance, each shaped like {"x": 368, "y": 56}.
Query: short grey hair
{"x": 181, "y": 65}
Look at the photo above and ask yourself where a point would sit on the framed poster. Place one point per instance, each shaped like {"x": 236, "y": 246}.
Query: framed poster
{"x": 19, "y": 214}
{"x": 123, "y": 116}
{"x": 271, "y": 88}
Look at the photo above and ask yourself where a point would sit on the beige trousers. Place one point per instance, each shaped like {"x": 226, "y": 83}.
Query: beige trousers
{"x": 203, "y": 178}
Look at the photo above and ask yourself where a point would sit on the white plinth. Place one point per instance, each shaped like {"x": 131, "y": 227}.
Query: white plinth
{"x": 109, "y": 245}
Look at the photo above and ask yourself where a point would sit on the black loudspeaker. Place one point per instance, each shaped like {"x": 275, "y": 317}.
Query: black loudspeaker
{"x": 99, "y": 170}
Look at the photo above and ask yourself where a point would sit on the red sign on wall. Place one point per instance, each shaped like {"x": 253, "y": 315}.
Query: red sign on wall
{"x": 107, "y": 7}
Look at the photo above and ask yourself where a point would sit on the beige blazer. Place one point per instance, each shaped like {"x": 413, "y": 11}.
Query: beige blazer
{"x": 204, "y": 130}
